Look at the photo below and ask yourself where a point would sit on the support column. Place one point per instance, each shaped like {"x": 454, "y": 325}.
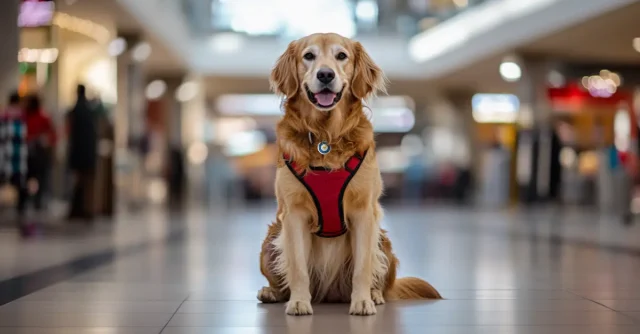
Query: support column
{"x": 173, "y": 112}
{"x": 535, "y": 144}
{"x": 130, "y": 107}
{"x": 10, "y": 41}
{"x": 163, "y": 127}
{"x": 461, "y": 101}
{"x": 193, "y": 122}
{"x": 194, "y": 113}
{"x": 130, "y": 123}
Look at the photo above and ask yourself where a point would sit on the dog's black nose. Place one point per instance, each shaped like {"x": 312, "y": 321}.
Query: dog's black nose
{"x": 326, "y": 75}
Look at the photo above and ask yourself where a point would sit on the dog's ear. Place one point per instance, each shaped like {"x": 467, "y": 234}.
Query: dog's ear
{"x": 284, "y": 76}
{"x": 367, "y": 78}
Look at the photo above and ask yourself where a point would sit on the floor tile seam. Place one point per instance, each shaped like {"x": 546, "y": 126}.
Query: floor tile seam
{"x": 634, "y": 320}
{"x": 93, "y": 261}
{"x": 174, "y": 314}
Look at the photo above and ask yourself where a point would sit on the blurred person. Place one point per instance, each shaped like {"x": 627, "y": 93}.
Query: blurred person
{"x": 82, "y": 155}
{"x": 555, "y": 176}
{"x": 496, "y": 175}
{"x": 176, "y": 176}
{"x": 414, "y": 178}
{"x": 220, "y": 176}
{"x": 627, "y": 179}
{"x": 13, "y": 155}
{"x": 41, "y": 140}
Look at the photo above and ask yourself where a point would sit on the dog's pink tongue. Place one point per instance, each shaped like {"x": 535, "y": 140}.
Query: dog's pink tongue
{"x": 325, "y": 99}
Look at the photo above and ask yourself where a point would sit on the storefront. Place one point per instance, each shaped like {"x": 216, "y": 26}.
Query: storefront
{"x": 496, "y": 127}
{"x": 38, "y": 52}
{"x": 591, "y": 125}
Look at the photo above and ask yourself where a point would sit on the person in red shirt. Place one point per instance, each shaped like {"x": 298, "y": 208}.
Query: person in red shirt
{"x": 41, "y": 141}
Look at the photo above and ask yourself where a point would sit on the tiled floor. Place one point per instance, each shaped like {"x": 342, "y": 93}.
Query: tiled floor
{"x": 531, "y": 272}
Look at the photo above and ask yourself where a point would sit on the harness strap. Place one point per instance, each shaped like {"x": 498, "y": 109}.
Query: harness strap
{"x": 327, "y": 189}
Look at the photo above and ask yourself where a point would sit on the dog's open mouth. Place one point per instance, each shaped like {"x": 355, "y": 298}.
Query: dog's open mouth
{"x": 325, "y": 98}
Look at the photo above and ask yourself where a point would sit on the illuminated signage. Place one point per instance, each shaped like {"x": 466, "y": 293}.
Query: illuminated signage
{"x": 36, "y": 13}
{"x": 495, "y": 108}
{"x": 47, "y": 56}
{"x": 389, "y": 114}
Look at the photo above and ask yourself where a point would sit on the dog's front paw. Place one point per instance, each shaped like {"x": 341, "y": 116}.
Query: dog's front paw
{"x": 268, "y": 295}
{"x": 362, "y": 307}
{"x": 299, "y": 307}
{"x": 377, "y": 297}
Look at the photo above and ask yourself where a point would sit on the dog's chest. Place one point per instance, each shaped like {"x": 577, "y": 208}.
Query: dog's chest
{"x": 329, "y": 255}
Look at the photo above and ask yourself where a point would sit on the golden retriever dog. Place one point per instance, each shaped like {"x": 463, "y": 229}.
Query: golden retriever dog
{"x": 326, "y": 244}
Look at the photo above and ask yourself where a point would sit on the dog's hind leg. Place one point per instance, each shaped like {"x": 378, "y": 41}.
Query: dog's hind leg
{"x": 275, "y": 292}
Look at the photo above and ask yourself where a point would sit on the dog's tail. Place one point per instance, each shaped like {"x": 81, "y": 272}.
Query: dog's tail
{"x": 412, "y": 288}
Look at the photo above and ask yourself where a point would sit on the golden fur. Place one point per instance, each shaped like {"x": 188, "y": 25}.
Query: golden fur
{"x": 358, "y": 267}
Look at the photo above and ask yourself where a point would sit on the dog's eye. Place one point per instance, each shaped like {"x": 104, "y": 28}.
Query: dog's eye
{"x": 309, "y": 56}
{"x": 341, "y": 56}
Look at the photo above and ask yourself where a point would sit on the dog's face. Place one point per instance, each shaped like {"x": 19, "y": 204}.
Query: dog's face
{"x": 325, "y": 69}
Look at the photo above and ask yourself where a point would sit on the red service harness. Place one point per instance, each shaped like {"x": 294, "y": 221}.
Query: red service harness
{"x": 327, "y": 188}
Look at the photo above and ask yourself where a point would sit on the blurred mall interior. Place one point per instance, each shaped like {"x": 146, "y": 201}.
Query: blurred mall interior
{"x": 507, "y": 142}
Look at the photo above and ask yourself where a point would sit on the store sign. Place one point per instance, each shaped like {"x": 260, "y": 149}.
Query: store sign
{"x": 249, "y": 105}
{"x": 46, "y": 56}
{"x": 495, "y": 108}
{"x": 36, "y": 13}
{"x": 393, "y": 120}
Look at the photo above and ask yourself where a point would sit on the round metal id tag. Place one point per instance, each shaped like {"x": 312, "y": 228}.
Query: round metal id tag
{"x": 324, "y": 148}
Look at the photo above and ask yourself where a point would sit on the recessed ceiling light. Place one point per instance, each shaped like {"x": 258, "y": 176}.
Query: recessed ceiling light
{"x": 141, "y": 52}
{"x": 510, "y": 71}
{"x": 227, "y": 42}
{"x": 156, "y": 89}
{"x": 117, "y": 47}
{"x": 187, "y": 91}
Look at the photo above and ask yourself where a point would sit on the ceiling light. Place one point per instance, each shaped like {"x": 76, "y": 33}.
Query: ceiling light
{"x": 187, "y": 91}
{"x": 367, "y": 11}
{"x": 156, "y": 89}
{"x": 88, "y": 28}
{"x": 227, "y": 42}
{"x": 510, "y": 71}
{"x": 117, "y": 47}
{"x": 141, "y": 52}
